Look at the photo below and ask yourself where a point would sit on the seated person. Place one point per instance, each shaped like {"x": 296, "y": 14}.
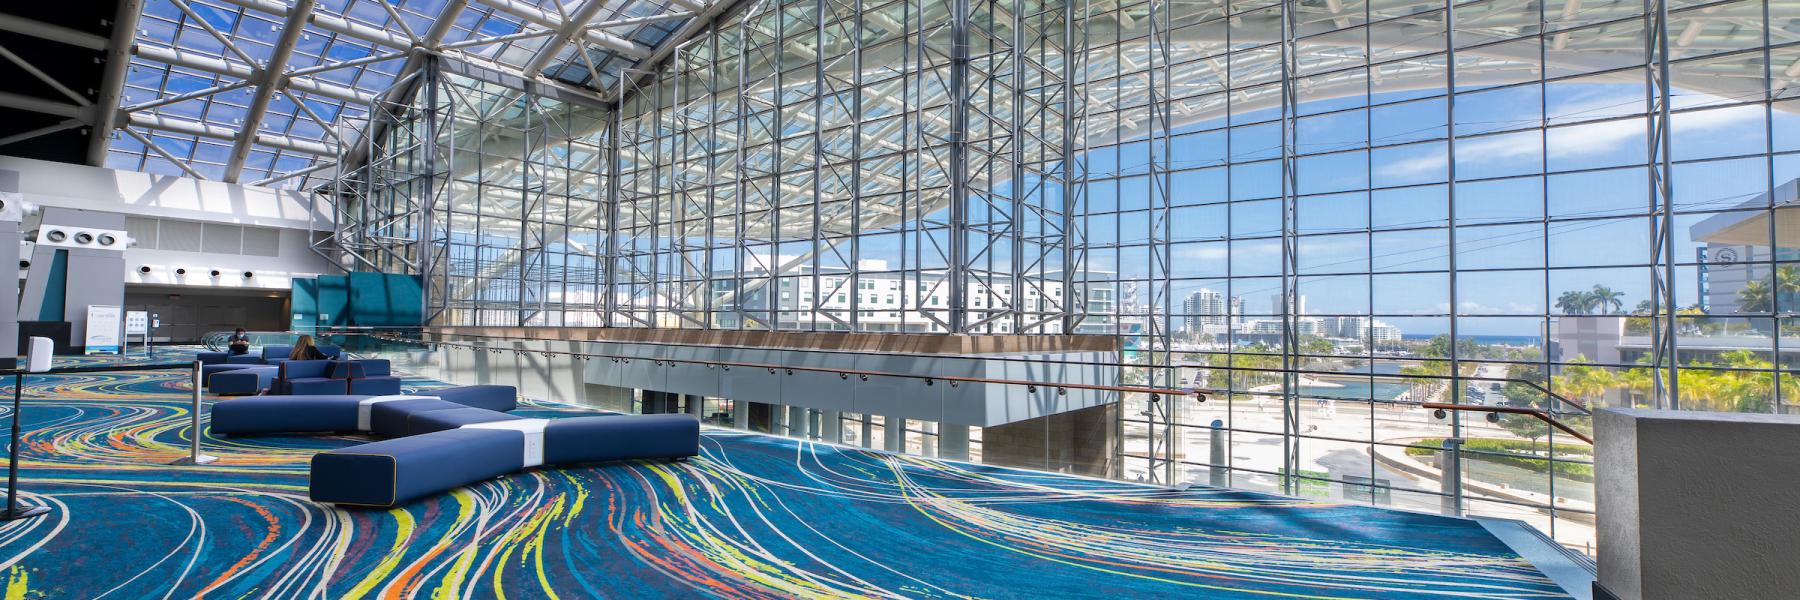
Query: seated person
{"x": 239, "y": 342}
{"x": 305, "y": 350}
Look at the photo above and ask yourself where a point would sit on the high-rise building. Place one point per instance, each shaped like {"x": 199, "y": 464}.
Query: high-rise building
{"x": 1203, "y": 307}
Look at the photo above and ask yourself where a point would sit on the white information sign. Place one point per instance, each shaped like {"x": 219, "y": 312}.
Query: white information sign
{"x": 103, "y": 329}
{"x": 137, "y": 322}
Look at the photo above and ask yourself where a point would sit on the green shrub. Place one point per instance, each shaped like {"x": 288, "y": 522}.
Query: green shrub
{"x": 1508, "y": 452}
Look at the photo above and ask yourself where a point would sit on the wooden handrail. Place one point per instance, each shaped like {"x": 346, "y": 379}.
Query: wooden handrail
{"x": 1514, "y": 410}
{"x": 1579, "y": 407}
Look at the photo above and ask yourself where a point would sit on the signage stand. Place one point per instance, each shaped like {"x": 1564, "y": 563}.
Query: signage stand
{"x": 137, "y": 322}
{"x": 103, "y": 329}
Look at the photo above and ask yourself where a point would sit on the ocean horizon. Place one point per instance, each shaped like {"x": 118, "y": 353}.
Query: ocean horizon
{"x": 1508, "y": 340}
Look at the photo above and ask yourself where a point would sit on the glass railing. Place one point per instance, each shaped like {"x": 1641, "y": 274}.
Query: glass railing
{"x": 1399, "y": 439}
{"x": 219, "y": 341}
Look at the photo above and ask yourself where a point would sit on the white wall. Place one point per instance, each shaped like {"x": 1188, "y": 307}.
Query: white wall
{"x": 94, "y": 188}
{"x": 296, "y": 259}
{"x": 182, "y": 198}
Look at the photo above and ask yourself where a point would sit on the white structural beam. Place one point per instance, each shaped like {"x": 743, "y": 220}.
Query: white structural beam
{"x": 268, "y": 79}
{"x": 570, "y": 31}
{"x": 42, "y": 106}
{"x": 229, "y": 134}
{"x": 54, "y": 33}
{"x": 31, "y": 69}
{"x": 112, "y": 82}
{"x": 196, "y": 61}
{"x": 327, "y": 22}
{"x": 635, "y": 21}
{"x": 220, "y": 66}
{"x": 174, "y": 160}
{"x": 534, "y": 15}
{"x": 702, "y": 18}
{"x": 45, "y": 130}
{"x": 280, "y": 177}
{"x": 183, "y": 126}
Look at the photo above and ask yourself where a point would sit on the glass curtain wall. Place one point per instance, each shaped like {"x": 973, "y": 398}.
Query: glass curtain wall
{"x": 806, "y": 165}
{"x": 1337, "y": 211}
{"x": 1323, "y": 214}
{"x": 513, "y": 182}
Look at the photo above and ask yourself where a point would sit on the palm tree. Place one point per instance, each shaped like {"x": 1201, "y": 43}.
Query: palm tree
{"x": 1572, "y": 303}
{"x": 1787, "y": 286}
{"x": 1607, "y": 300}
{"x": 1755, "y": 296}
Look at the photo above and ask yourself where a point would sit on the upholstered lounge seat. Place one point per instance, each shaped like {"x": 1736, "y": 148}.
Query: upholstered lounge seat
{"x": 502, "y": 398}
{"x": 620, "y": 437}
{"x": 389, "y": 419}
{"x": 439, "y": 420}
{"x": 208, "y": 369}
{"x": 448, "y": 440}
{"x": 309, "y": 377}
{"x": 396, "y": 471}
{"x": 390, "y": 473}
{"x": 320, "y": 413}
{"x": 372, "y": 376}
{"x": 286, "y": 414}
{"x": 250, "y": 379}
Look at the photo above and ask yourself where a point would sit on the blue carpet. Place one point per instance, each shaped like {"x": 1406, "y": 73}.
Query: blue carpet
{"x": 754, "y": 517}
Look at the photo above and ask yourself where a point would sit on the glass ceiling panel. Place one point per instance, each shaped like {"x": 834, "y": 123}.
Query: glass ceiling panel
{"x": 200, "y": 104}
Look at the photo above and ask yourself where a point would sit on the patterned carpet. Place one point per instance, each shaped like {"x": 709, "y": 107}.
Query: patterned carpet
{"x": 755, "y": 517}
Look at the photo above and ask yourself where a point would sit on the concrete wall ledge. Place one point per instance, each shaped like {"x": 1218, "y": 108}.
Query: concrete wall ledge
{"x": 1697, "y": 504}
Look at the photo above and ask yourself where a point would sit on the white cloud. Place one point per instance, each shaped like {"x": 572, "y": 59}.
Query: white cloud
{"x": 1567, "y": 143}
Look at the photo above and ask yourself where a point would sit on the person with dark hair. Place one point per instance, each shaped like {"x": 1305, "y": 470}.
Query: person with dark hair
{"x": 239, "y": 342}
{"x": 305, "y": 350}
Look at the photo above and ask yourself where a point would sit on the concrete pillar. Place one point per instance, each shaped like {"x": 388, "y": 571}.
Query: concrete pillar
{"x": 763, "y": 418}
{"x": 928, "y": 449}
{"x": 831, "y": 426}
{"x": 607, "y": 397}
{"x": 740, "y": 414}
{"x": 657, "y": 403}
{"x": 796, "y": 421}
{"x": 696, "y": 405}
{"x": 868, "y": 430}
{"x": 1695, "y": 504}
{"x": 9, "y": 288}
{"x": 894, "y": 435}
{"x": 1216, "y": 473}
{"x": 1082, "y": 441}
{"x": 953, "y": 441}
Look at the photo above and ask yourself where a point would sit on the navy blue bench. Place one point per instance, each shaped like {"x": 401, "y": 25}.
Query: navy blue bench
{"x": 447, "y": 438}
{"x": 243, "y": 380}
{"x": 392, "y": 472}
{"x": 337, "y": 413}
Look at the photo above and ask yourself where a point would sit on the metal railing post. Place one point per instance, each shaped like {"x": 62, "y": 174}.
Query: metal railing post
{"x": 195, "y": 457}
{"x": 12, "y": 464}
{"x": 1450, "y": 476}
